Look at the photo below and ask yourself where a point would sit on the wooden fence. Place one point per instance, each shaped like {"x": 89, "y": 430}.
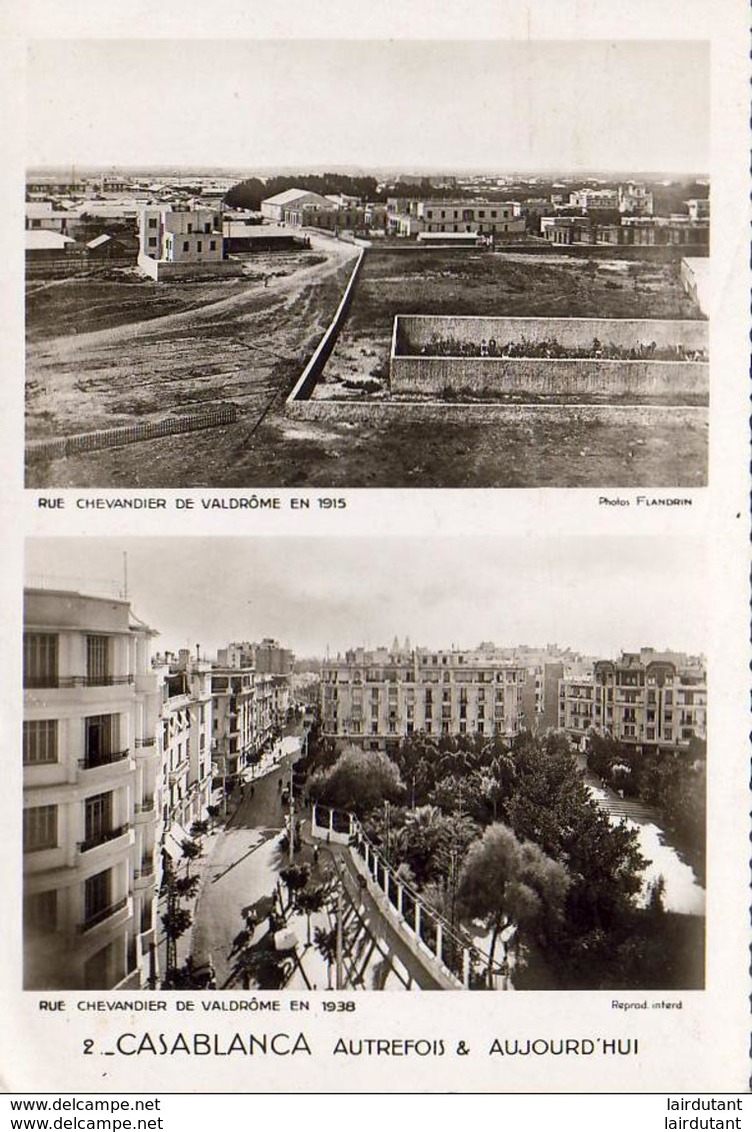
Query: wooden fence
{"x": 130, "y": 434}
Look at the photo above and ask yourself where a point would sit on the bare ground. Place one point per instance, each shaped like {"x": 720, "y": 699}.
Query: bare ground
{"x": 250, "y": 347}
{"x": 244, "y": 346}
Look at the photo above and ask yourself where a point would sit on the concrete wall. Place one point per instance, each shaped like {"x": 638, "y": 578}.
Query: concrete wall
{"x": 561, "y": 377}
{"x": 310, "y": 375}
{"x": 161, "y": 270}
{"x": 412, "y": 372}
{"x": 697, "y": 281}
{"x": 439, "y": 412}
{"x": 418, "y": 330}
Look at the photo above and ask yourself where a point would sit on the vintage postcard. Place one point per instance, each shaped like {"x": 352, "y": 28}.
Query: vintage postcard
{"x": 280, "y": 747}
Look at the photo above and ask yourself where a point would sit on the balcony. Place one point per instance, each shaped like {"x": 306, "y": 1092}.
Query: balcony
{"x": 102, "y": 759}
{"x": 78, "y": 681}
{"x": 144, "y": 811}
{"x": 104, "y": 837}
{"x": 103, "y": 914}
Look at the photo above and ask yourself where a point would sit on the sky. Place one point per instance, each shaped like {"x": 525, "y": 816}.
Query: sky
{"x": 526, "y": 105}
{"x": 596, "y": 595}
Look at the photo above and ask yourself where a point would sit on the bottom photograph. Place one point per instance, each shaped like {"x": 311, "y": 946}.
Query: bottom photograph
{"x": 364, "y": 764}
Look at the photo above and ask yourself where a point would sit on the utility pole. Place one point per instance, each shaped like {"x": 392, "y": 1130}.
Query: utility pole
{"x": 338, "y": 946}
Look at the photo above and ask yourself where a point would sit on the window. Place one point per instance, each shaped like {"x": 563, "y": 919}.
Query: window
{"x": 39, "y": 741}
{"x": 152, "y": 222}
{"x": 97, "y": 660}
{"x": 152, "y": 241}
{"x": 186, "y": 246}
{"x": 190, "y": 228}
{"x": 97, "y": 895}
{"x": 99, "y": 739}
{"x": 39, "y": 828}
{"x": 40, "y": 912}
{"x": 199, "y": 246}
{"x": 97, "y": 818}
{"x": 212, "y": 245}
{"x": 40, "y": 660}
{"x": 207, "y": 227}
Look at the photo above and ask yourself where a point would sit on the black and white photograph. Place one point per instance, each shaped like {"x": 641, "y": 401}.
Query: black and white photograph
{"x": 348, "y": 263}
{"x": 336, "y": 782}
{"x": 375, "y": 572}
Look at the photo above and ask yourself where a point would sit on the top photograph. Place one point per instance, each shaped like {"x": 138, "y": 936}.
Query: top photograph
{"x": 351, "y": 264}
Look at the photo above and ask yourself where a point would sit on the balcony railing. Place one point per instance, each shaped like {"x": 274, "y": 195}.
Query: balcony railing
{"x": 145, "y": 807}
{"x": 146, "y": 870}
{"x": 77, "y": 681}
{"x": 148, "y": 742}
{"x": 103, "y": 914}
{"x": 91, "y": 763}
{"x": 102, "y": 838}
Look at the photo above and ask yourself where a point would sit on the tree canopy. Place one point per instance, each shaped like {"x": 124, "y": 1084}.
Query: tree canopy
{"x": 359, "y": 781}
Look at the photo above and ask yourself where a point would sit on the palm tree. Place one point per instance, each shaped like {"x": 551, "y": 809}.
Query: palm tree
{"x": 325, "y": 940}
{"x": 309, "y": 900}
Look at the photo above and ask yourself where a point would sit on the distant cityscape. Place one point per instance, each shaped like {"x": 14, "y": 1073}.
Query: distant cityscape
{"x": 99, "y": 214}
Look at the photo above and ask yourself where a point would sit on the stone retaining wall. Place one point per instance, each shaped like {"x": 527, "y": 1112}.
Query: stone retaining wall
{"x": 413, "y": 331}
{"x": 438, "y": 412}
{"x": 413, "y": 372}
{"x": 562, "y": 377}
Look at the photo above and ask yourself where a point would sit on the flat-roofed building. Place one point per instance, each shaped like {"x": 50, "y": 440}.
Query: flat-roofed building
{"x": 650, "y": 700}
{"x": 409, "y": 217}
{"x": 374, "y": 698}
{"x": 177, "y": 241}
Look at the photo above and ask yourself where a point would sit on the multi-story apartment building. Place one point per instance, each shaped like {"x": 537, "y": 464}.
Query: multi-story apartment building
{"x": 267, "y": 656}
{"x": 91, "y": 774}
{"x": 374, "y": 698}
{"x": 184, "y": 739}
{"x": 647, "y": 699}
{"x": 251, "y": 699}
{"x": 234, "y": 730}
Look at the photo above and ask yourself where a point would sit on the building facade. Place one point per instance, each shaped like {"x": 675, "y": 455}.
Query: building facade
{"x": 375, "y": 698}
{"x": 174, "y": 241}
{"x": 91, "y": 775}
{"x": 648, "y": 700}
{"x": 184, "y": 742}
{"x": 409, "y": 217}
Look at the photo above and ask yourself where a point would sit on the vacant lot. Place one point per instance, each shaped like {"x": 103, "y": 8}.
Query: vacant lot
{"x": 249, "y": 347}
{"x": 501, "y": 284}
{"x": 135, "y": 350}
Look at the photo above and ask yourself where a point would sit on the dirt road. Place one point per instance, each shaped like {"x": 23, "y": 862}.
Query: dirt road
{"x": 241, "y": 348}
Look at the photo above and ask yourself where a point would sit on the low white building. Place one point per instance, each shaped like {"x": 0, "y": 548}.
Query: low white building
{"x": 175, "y": 242}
